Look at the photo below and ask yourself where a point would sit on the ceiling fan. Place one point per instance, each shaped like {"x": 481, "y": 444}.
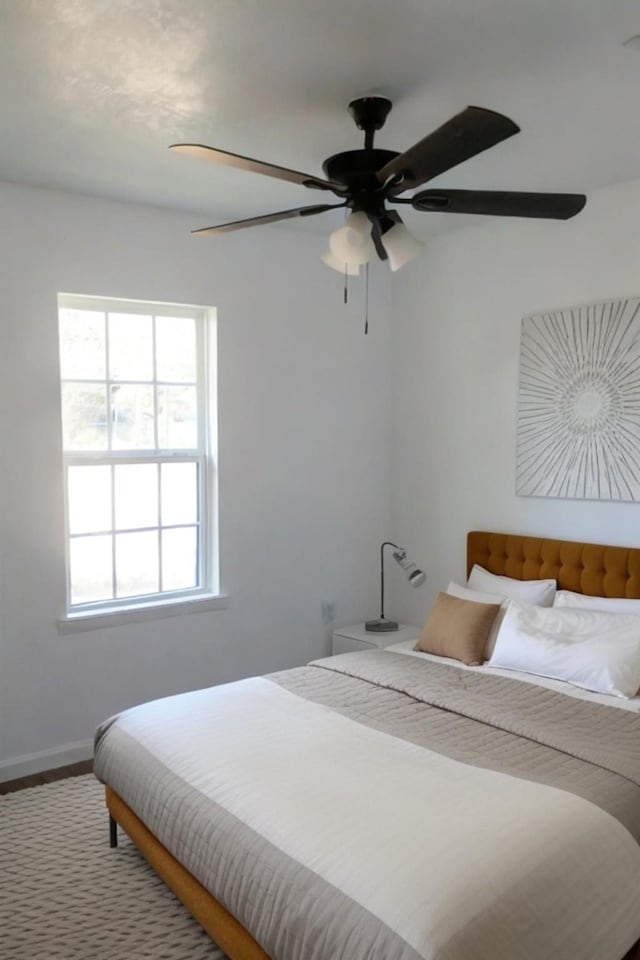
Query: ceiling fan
{"x": 367, "y": 180}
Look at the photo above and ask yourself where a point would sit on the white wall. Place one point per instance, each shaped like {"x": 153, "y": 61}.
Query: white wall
{"x": 456, "y": 328}
{"x": 304, "y": 454}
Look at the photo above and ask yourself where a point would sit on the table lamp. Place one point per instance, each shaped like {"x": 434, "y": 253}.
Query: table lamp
{"x": 415, "y": 576}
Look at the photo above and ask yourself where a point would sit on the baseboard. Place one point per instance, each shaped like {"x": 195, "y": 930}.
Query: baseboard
{"x": 45, "y": 760}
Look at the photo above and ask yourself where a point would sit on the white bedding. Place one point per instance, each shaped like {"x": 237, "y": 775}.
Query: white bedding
{"x": 632, "y": 704}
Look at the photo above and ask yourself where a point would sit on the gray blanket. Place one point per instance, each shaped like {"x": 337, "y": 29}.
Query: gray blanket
{"x": 518, "y": 728}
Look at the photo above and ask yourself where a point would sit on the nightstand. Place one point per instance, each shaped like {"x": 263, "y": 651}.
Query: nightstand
{"x": 350, "y": 639}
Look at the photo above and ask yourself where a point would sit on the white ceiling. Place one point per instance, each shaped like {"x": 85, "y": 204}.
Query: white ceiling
{"x": 93, "y": 91}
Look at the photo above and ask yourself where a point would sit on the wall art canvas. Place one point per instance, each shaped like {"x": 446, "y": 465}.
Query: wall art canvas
{"x": 579, "y": 403}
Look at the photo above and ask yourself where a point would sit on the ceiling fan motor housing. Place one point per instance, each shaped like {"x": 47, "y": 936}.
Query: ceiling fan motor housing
{"x": 357, "y": 169}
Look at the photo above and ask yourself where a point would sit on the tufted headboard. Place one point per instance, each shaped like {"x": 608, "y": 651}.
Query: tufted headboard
{"x": 590, "y": 568}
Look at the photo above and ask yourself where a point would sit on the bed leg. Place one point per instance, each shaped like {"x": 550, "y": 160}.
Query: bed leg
{"x": 113, "y": 832}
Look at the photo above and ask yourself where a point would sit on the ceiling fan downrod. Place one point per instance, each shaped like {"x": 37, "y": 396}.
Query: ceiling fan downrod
{"x": 357, "y": 169}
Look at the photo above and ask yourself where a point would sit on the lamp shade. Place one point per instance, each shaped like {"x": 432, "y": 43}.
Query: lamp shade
{"x": 352, "y": 269}
{"x": 415, "y": 575}
{"x": 401, "y": 246}
{"x": 352, "y": 243}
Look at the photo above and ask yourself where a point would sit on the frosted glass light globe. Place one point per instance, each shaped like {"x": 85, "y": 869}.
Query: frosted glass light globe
{"x": 401, "y": 246}
{"x": 352, "y": 243}
{"x": 351, "y": 269}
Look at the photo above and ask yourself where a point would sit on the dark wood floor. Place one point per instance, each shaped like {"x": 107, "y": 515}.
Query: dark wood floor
{"x": 48, "y": 776}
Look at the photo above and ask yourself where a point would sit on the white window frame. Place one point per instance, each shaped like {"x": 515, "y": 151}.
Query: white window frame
{"x": 166, "y": 603}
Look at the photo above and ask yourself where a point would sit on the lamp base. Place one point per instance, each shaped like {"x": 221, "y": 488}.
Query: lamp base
{"x": 381, "y": 626}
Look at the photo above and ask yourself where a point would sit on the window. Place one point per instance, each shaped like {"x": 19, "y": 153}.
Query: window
{"x": 137, "y": 452}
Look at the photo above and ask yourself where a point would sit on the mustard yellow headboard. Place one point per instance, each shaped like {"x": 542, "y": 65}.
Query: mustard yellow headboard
{"x": 590, "y": 568}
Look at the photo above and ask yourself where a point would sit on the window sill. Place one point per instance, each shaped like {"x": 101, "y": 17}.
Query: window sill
{"x": 82, "y": 622}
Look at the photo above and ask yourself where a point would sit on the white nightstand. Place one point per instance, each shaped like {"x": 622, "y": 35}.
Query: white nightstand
{"x": 350, "y": 639}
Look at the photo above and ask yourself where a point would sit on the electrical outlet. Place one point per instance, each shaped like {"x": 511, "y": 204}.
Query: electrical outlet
{"x": 328, "y": 611}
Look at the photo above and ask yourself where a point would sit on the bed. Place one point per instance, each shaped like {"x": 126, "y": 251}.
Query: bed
{"x": 393, "y": 806}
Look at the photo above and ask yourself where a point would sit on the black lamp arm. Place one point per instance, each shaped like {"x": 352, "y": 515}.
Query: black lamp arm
{"x": 387, "y": 543}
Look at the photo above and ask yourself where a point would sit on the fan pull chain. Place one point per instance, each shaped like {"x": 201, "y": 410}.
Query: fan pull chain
{"x": 366, "y": 299}
{"x": 346, "y": 284}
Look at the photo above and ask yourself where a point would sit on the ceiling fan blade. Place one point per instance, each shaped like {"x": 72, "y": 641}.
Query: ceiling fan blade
{"x": 463, "y": 136}
{"x": 269, "y": 218}
{"x": 239, "y": 162}
{"x": 500, "y": 203}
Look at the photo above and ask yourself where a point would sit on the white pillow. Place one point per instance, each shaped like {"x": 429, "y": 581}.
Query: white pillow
{"x": 565, "y": 598}
{"x": 587, "y": 648}
{"x": 539, "y": 592}
{"x": 455, "y": 590}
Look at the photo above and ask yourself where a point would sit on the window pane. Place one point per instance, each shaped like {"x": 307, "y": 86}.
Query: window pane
{"x": 130, "y": 346}
{"x": 180, "y": 558}
{"x": 89, "y": 490}
{"x": 132, "y": 418}
{"x": 84, "y": 416}
{"x": 82, "y": 345}
{"x": 90, "y": 563}
{"x": 131, "y": 401}
{"x": 179, "y": 493}
{"x": 136, "y": 564}
{"x": 136, "y": 495}
{"x": 177, "y": 418}
{"x": 176, "y": 349}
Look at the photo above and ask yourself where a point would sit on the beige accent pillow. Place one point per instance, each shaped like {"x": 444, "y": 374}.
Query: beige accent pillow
{"x": 455, "y": 590}
{"x": 458, "y": 628}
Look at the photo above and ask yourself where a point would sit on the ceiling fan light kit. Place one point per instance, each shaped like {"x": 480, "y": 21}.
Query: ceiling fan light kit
{"x": 401, "y": 246}
{"x": 352, "y": 243}
{"x": 350, "y": 269}
{"x": 366, "y": 181}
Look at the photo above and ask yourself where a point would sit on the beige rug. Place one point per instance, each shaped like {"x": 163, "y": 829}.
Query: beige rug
{"x": 66, "y": 895}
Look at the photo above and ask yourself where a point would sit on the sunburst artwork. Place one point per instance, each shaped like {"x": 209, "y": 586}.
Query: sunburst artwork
{"x": 579, "y": 403}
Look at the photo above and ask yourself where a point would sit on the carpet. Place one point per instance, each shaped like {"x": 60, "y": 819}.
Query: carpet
{"x": 66, "y": 895}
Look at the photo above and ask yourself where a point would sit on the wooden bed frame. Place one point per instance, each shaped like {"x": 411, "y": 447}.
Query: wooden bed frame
{"x": 224, "y": 929}
{"x": 587, "y": 568}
